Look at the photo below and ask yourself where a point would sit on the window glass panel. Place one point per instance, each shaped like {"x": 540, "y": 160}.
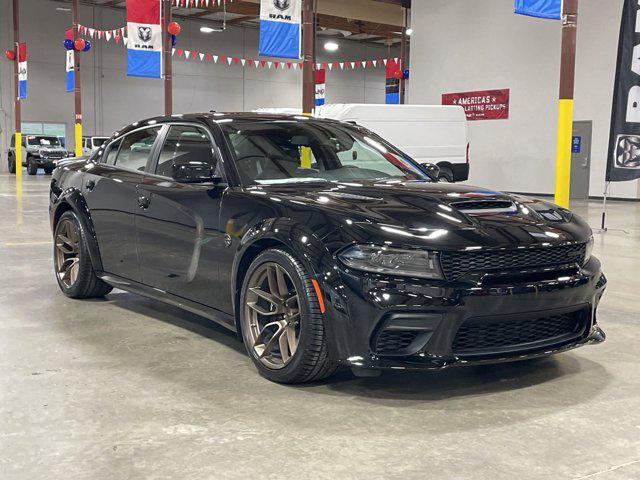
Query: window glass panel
{"x": 136, "y": 148}
{"x": 110, "y": 157}
{"x": 186, "y": 147}
{"x": 289, "y": 151}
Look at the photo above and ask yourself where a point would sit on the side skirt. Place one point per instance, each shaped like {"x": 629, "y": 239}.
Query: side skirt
{"x": 217, "y": 316}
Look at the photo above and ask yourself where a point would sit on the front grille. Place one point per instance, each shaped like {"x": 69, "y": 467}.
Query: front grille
{"x": 486, "y": 336}
{"x": 391, "y": 342}
{"x": 457, "y": 264}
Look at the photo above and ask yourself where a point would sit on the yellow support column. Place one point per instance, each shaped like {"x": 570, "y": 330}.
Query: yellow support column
{"x": 18, "y": 157}
{"x": 563, "y": 153}
{"x": 78, "y": 139}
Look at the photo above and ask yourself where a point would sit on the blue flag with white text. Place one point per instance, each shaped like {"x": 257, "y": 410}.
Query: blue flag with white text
{"x": 540, "y": 8}
{"x": 280, "y": 29}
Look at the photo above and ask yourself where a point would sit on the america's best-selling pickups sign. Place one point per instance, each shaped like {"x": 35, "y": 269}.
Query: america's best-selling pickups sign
{"x": 481, "y": 105}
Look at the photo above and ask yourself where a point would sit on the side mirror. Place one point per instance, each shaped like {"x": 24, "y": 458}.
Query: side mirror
{"x": 432, "y": 170}
{"x": 194, "y": 172}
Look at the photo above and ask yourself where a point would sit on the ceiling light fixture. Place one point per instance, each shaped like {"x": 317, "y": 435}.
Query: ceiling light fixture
{"x": 409, "y": 31}
{"x": 208, "y": 30}
{"x": 331, "y": 46}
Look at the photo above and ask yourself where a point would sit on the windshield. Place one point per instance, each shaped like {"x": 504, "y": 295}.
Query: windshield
{"x": 286, "y": 151}
{"x": 44, "y": 141}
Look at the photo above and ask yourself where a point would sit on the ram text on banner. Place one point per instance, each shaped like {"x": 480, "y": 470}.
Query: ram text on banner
{"x": 144, "y": 43}
{"x": 623, "y": 161}
{"x": 280, "y": 28}
{"x": 551, "y": 9}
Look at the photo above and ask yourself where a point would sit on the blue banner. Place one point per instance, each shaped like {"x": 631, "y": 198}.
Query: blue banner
{"x": 22, "y": 80}
{"x": 540, "y": 8}
{"x": 280, "y": 28}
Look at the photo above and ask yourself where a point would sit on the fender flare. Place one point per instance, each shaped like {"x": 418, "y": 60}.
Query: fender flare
{"x": 297, "y": 238}
{"x": 72, "y": 199}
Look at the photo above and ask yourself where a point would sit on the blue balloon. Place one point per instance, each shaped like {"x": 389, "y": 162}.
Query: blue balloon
{"x": 173, "y": 40}
{"x": 87, "y": 46}
{"x": 68, "y": 44}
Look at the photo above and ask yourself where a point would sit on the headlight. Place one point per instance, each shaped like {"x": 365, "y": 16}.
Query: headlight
{"x": 392, "y": 261}
{"x": 589, "y": 249}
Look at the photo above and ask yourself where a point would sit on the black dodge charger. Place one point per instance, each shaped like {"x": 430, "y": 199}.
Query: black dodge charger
{"x": 322, "y": 245}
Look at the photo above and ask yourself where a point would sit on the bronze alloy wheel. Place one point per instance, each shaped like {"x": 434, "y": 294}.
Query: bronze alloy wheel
{"x": 67, "y": 252}
{"x": 272, "y": 315}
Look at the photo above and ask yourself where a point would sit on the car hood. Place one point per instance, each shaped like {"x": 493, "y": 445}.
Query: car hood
{"x": 442, "y": 215}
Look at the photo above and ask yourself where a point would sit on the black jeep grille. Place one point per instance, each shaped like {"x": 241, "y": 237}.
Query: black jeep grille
{"x": 486, "y": 336}
{"x": 456, "y": 264}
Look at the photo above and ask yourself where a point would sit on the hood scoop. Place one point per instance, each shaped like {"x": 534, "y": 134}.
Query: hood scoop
{"x": 485, "y": 207}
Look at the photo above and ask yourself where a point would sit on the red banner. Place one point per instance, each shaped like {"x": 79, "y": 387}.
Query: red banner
{"x": 481, "y": 105}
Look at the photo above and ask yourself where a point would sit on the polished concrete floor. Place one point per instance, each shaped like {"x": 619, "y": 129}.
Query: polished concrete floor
{"x": 128, "y": 388}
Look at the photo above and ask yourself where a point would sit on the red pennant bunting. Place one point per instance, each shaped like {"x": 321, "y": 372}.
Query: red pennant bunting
{"x": 207, "y": 56}
{"x": 236, "y": 60}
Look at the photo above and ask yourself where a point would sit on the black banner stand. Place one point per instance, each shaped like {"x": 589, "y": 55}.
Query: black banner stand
{"x": 603, "y": 228}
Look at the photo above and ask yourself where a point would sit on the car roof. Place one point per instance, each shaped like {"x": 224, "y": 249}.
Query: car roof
{"x": 216, "y": 116}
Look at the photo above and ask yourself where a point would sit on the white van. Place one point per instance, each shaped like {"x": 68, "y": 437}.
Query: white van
{"x": 427, "y": 133}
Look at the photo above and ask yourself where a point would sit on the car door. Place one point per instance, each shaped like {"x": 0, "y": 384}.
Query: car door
{"x": 110, "y": 192}
{"x": 179, "y": 236}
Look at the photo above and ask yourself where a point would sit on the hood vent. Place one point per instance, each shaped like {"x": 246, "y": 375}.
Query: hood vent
{"x": 485, "y": 207}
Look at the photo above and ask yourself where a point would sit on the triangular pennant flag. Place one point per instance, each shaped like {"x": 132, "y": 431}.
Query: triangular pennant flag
{"x": 173, "y": 52}
{"x": 179, "y": 52}
{"x": 342, "y": 65}
{"x": 385, "y": 61}
{"x": 243, "y": 61}
{"x": 236, "y": 60}
{"x": 229, "y": 60}
{"x": 215, "y": 59}
{"x": 187, "y": 53}
{"x": 194, "y": 54}
{"x": 375, "y": 63}
{"x": 201, "y": 55}
{"x": 269, "y": 64}
{"x": 256, "y": 63}
{"x": 330, "y": 66}
{"x": 123, "y": 31}
{"x": 92, "y": 32}
{"x": 207, "y": 57}
{"x": 276, "y": 64}
{"x": 223, "y": 58}
{"x": 108, "y": 36}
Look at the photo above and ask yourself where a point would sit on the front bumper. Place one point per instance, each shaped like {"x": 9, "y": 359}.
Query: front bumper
{"x": 425, "y": 317}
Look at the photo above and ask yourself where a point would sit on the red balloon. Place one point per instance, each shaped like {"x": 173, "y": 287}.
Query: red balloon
{"x": 10, "y": 54}
{"x": 174, "y": 28}
{"x": 79, "y": 44}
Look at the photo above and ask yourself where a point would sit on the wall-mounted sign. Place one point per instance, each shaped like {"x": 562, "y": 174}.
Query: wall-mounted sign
{"x": 481, "y": 105}
{"x": 576, "y": 144}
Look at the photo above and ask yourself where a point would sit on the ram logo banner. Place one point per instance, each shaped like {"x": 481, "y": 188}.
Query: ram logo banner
{"x": 320, "y": 86}
{"x": 70, "y": 75}
{"x": 280, "y": 28}
{"x": 22, "y": 71}
{"x": 540, "y": 8}
{"x": 144, "y": 44}
{"x": 623, "y": 162}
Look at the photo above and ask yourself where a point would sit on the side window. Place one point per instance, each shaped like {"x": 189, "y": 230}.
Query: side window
{"x": 136, "y": 148}
{"x": 186, "y": 147}
{"x": 112, "y": 150}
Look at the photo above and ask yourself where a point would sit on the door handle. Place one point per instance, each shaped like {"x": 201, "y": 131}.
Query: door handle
{"x": 90, "y": 185}
{"x": 144, "y": 202}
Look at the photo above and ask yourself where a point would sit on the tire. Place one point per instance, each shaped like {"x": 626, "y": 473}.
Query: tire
{"x": 78, "y": 279}
{"x": 48, "y": 170}
{"x": 32, "y": 167}
{"x": 12, "y": 165}
{"x": 445, "y": 176}
{"x": 310, "y": 361}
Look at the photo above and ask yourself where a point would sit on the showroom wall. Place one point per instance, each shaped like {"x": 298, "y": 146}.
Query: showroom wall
{"x": 110, "y": 99}
{"x": 462, "y": 45}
